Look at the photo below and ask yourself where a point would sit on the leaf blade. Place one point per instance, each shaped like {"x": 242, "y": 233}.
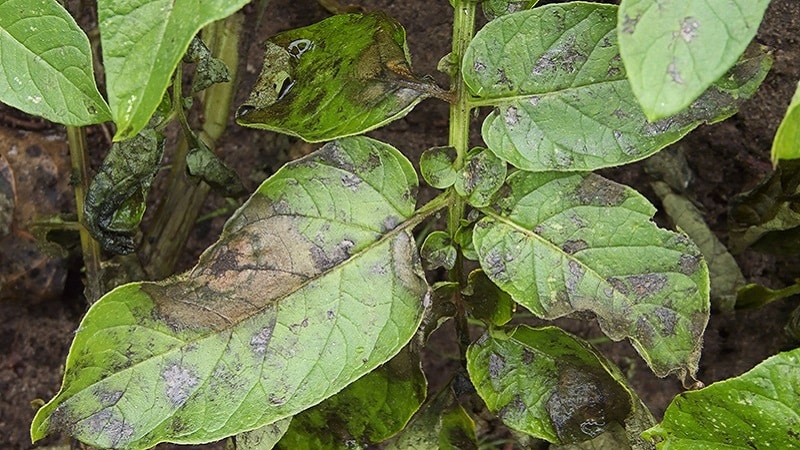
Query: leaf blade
{"x": 143, "y": 42}
{"x": 48, "y": 74}
{"x": 785, "y": 145}
{"x": 259, "y": 329}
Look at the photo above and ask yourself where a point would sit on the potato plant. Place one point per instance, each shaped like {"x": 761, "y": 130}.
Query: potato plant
{"x": 301, "y": 326}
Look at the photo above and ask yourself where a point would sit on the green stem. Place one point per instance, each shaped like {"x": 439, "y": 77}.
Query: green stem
{"x": 76, "y": 137}
{"x": 463, "y": 31}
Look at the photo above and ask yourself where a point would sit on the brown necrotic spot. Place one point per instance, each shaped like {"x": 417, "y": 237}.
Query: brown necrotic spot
{"x": 326, "y": 260}
{"x": 179, "y": 382}
{"x": 574, "y": 246}
{"x": 668, "y": 319}
{"x": 647, "y": 284}
{"x": 594, "y": 190}
{"x": 688, "y": 264}
{"x": 527, "y": 356}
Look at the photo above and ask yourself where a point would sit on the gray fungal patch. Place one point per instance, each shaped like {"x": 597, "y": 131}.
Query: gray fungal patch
{"x": 576, "y": 273}
{"x": 688, "y": 264}
{"x": 674, "y": 74}
{"x": 390, "y": 223}
{"x": 574, "y": 246}
{"x": 116, "y": 430}
{"x": 668, "y": 319}
{"x": 527, "y": 356}
{"x": 478, "y": 66}
{"x": 515, "y": 410}
{"x": 689, "y": 27}
{"x": 594, "y": 190}
{"x": 629, "y": 24}
{"x": 534, "y": 100}
{"x": 179, "y": 382}
{"x": 108, "y": 398}
{"x": 496, "y": 265}
{"x": 647, "y": 284}
{"x": 260, "y": 340}
{"x": 511, "y": 116}
{"x": 496, "y": 365}
{"x": 330, "y": 314}
{"x": 326, "y": 260}
{"x": 351, "y": 181}
{"x": 502, "y": 79}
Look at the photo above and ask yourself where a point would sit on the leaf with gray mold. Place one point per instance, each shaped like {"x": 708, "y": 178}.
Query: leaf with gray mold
{"x": 674, "y": 53}
{"x": 646, "y": 284}
{"x": 551, "y": 385}
{"x": 493, "y": 9}
{"x": 263, "y": 438}
{"x": 562, "y": 100}
{"x": 438, "y": 251}
{"x": 436, "y": 165}
{"x": 115, "y": 202}
{"x": 482, "y": 175}
{"x": 278, "y": 315}
{"x": 209, "y": 70}
{"x": 204, "y": 164}
{"x": 346, "y": 75}
{"x": 758, "y": 409}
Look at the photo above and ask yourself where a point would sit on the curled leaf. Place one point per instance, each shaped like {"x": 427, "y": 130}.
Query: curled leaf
{"x": 482, "y": 175}
{"x": 438, "y": 251}
{"x": 210, "y": 70}
{"x": 436, "y": 166}
{"x": 201, "y": 162}
{"x": 346, "y": 75}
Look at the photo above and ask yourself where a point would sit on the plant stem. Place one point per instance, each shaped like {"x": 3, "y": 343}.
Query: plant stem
{"x": 463, "y": 31}
{"x": 76, "y": 137}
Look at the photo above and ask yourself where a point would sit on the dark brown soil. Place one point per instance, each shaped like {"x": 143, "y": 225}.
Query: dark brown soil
{"x": 727, "y": 158}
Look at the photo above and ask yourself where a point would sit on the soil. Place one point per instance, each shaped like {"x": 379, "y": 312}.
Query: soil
{"x": 726, "y": 159}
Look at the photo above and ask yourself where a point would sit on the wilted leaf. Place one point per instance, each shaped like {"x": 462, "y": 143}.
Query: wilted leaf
{"x": 562, "y": 98}
{"x": 436, "y": 166}
{"x": 493, "y": 9}
{"x": 551, "y": 385}
{"x": 438, "y": 251}
{"x": 116, "y": 200}
{"x": 486, "y": 301}
{"x": 369, "y": 411}
{"x": 441, "y": 424}
{"x": 263, "y": 438}
{"x": 346, "y": 75}
{"x": 674, "y": 52}
{"x": 440, "y": 310}
{"x": 143, "y": 42}
{"x": 209, "y": 70}
{"x": 482, "y": 175}
{"x": 758, "y": 409}
{"x": 787, "y": 139}
{"x": 557, "y": 257}
{"x": 725, "y": 276}
{"x": 47, "y": 64}
{"x": 202, "y": 163}
{"x": 279, "y": 314}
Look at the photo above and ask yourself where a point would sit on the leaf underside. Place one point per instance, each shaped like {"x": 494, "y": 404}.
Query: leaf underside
{"x": 645, "y": 284}
{"x": 562, "y": 100}
{"x": 343, "y": 76}
{"x": 756, "y": 410}
{"x": 143, "y": 42}
{"x": 674, "y": 52}
{"x": 46, "y": 65}
{"x": 278, "y": 315}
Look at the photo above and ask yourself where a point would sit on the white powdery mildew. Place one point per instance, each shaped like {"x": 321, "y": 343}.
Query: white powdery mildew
{"x": 180, "y": 381}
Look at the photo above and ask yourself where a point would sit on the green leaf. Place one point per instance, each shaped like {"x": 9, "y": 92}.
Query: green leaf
{"x": 116, "y": 199}
{"x": 493, "y": 9}
{"x": 786, "y": 144}
{"x": 551, "y": 385}
{"x": 486, "y": 301}
{"x": 438, "y": 251}
{"x": 279, "y": 314}
{"x": 204, "y": 164}
{"x": 47, "y": 64}
{"x": 346, "y": 75}
{"x": 369, "y": 411}
{"x": 482, "y": 175}
{"x": 436, "y": 166}
{"x": 143, "y": 42}
{"x": 553, "y": 241}
{"x": 756, "y": 410}
{"x": 562, "y": 98}
{"x": 674, "y": 52}
{"x": 263, "y": 438}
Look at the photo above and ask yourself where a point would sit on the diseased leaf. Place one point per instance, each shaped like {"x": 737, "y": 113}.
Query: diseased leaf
{"x": 786, "y": 144}
{"x": 279, "y": 314}
{"x": 441, "y": 424}
{"x": 47, "y": 64}
{"x": 674, "y": 52}
{"x": 557, "y": 257}
{"x": 143, "y": 42}
{"x": 551, "y": 385}
{"x": 440, "y": 310}
{"x": 758, "y": 409}
{"x": 263, "y": 438}
{"x": 562, "y": 98}
{"x": 482, "y": 175}
{"x": 346, "y": 75}
{"x": 209, "y": 70}
{"x": 438, "y": 251}
{"x": 486, "y": 301}
{"x": 369, "y": 411}
{"x": 203, "y": 163}
{"x": 115, "y": 202}
{"x": 493, "y": 9}
{"x": 436, "y": 166}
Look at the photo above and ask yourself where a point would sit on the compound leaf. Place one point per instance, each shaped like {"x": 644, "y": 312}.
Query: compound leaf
{"x": 346, "y": 75}
{"x": 554, "y": 386}
{"x": 674, "y": 51}
{"x": 562, "y": 98}
{"x": 369, "y": 411}
{"x": 143, "y": 42}
{"x": 786, "y": 144}
{"x": 758, "y": 409}
{"x": 47, "y": 64}
{"x": 559, "y": 256}
{"x": 278, "y": 315}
